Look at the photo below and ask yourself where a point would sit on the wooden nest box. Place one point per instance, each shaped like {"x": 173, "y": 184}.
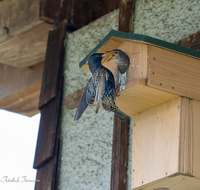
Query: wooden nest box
{"x": 162, "y": 94}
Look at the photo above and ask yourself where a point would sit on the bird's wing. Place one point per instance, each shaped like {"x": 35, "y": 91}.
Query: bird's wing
{"x": 86, "y": 98}
{"x": 100, "y": 88}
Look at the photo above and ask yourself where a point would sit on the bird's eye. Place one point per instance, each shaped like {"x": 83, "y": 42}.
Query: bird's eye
{"x": 116, "y": 52}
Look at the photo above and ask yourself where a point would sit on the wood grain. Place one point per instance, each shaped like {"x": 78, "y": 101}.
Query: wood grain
{"x": 120, "y": 137}
{"x": 27, "y": 48}
{"x": 166, "y": 146}
{"x": 52, "y": 74}
{"x": 192, "y": 41}
{"x": 54, "y": 11}
{"x": 138, "y": 97}
{"x": 45, "y": 176}
{"x": 47, "y": 133}
{"x": 155, "y": 143}
{"x": 126, "y": 14}
{"x": 173, "y": 72}
{"x": 20, "y": 88}
{"x": 71, "y": 101}
{"x": 119, "y": 154}
{"x": 16, "y": 20}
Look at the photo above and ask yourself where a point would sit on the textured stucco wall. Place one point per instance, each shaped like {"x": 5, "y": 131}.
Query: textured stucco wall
{"x": 169, "y": 20}
{"x": 87, "y": 143}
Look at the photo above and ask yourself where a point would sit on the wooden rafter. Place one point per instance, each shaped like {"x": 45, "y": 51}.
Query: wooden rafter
{"x": 21, "y": 88}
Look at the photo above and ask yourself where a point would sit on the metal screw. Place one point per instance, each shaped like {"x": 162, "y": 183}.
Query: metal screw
{"x": 133, "y": 170}
{"x": 142, "y": 182}
{"x": 134, "y": 124}
{"x": 178, "y": 106}
{"x": 172, "y": 87}
{"x": 153, "y": 73}
{"x": 166, "y": 173}
{"x": 160, "y": 84}
{"x": 154, "y": 58}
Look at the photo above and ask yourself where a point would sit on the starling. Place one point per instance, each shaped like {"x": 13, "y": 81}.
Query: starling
{"x": 122, "y": 60}
{"x": 102, "y": 86}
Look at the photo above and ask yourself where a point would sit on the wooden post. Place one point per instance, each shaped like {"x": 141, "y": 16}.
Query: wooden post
{"x": 121, "y": 128}
{"x": 48, "y": 144}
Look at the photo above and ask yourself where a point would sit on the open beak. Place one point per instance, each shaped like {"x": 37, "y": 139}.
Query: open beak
{"x": 112, "y": 55}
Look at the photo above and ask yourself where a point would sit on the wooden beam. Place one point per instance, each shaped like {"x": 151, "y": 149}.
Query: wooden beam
{"x": 27, "y": 48}
{"x": 121, "y": 128}
{"x": 119, "y": 154}
{"x": 109, "y": 6}
{"x": 126, "y": 13}
{"x": 20, "y": 88}
{"x": 54, "y": 11}
{"x": 50, "y": 99}
{"x": 52, "y": 70}
{"x": 17, "y": 16}
{"x": 71, "y": 101}
{"x": 192, "y": 41}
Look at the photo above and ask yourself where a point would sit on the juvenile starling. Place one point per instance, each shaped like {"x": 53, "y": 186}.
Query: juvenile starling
{"x": 122, "y": 60}
{"x": 102, "y": 86}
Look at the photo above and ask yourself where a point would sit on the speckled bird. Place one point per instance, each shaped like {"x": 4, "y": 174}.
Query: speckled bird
{"x": 102, "y": 86}
{"x": 122, "y": 60}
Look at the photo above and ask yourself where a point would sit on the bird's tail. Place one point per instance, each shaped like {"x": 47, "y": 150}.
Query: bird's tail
{"x": 120, "y": 114}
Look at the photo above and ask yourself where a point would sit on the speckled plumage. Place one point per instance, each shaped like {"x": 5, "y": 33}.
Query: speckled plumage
{"x": 102, "y": 86}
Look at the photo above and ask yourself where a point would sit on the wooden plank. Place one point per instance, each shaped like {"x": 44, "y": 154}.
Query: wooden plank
{"x": 126, "y": 13}
{"x": 119, "y": 154}
{"x": 192, "y": 41}
{"x": 27, "y": 48}
{"x": 173, "y": 72}
{"x": 180, "y": 182}
{"x": 120, "y": 139}
{"x": 155, "y": 143}
{"x": 24, "y": 101}
{"x": 13, "y": 79}
{"x": 20, "y": 88}
{"x": 189, "y": 154}
{"x": 140, "y": 97}
{"x": 16, "y": 20}
{"x": 71, "y": 101}
{"x": 109, "y": 6}
{"x": 54, "y": 11}
{"x": 45, "y": 176}
{"x": 52, "y": 74}
{"x": 47, "y": 133}
{"x": 166, "y": 146}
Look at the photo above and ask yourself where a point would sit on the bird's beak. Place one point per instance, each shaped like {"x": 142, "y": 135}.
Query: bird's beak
{"x": 110, "y": 53}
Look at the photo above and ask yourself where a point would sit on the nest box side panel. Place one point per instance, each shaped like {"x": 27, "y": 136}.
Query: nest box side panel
{"x": 155, "y": 146}
{"x": 173, "y": 72}
{"x": 189, "y": 152}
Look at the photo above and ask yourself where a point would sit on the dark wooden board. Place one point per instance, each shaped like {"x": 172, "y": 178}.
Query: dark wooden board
{"x": 52, "y": 73}
{"x": 77, "y": 13}
{"x": 119, "y": 154}
{"x": 45, "y": 176}
{"x": 121, "y": 128}
{"x": 47, "y": 133}
{"x": 192, "y": 41}
{"x": 109, "y": 6}
{"x": 126, "y": 13}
